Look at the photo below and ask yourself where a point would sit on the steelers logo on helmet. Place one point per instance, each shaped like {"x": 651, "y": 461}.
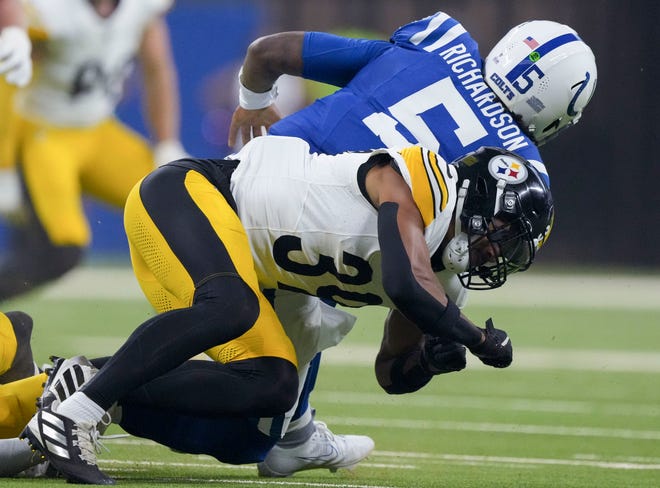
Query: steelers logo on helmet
{"x": 507, "y": 168}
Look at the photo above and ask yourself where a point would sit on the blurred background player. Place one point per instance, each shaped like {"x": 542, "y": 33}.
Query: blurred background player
{"x": 15, "y": 71}
{"x": 16, "y": 361}
{"x": 427, "y": 86}
{"x": 20, "y": 385}
{"x": 69, "y": 142}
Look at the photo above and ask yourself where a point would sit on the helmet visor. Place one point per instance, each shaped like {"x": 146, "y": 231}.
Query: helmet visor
{"x": 516, "y": 246}
{"x": 512, "y": 250}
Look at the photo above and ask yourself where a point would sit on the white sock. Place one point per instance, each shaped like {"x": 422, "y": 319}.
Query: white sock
{"x": 298, "y": 431}
{"x": 79, "y": 408}
{"x": 15, "y": 456}
{"x": 301, "y": 422}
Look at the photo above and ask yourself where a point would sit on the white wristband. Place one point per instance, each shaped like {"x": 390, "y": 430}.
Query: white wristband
{"x": 250, "y": 100}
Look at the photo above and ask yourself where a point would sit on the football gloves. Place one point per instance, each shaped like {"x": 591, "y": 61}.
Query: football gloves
{"x": 496, "y": 350}
{"x": 15, "y": 60}
{"x": 168, "y": 150}
{"x": 439, "y": 358}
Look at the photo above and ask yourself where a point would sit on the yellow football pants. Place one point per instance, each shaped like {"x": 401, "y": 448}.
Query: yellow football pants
{"x": 8, "y": 343}
{"x": 18, "y": 403}
{"x": 62, "y": 164}
{"x": 167, "y": 283}
{"x": 8, "y": 125}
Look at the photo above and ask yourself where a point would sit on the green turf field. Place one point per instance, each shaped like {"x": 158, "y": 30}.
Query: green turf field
{"x": 580, "y": 406}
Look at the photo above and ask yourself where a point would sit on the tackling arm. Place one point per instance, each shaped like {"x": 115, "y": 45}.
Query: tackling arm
{"x": 267, "y": 59}
{"x": 409, "y": 281}
{"x": 408, "y": 278}
{"x": 407, "y": 359}
{"x": 270, "y": 57}
{"x": 317, "y": 56}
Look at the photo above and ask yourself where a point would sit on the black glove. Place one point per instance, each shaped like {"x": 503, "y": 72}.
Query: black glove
{"x": 496, "y": 350}
{"x": 439, "y": 358}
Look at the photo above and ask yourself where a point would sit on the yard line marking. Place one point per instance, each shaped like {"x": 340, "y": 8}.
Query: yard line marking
{"x": 121, "y": 462}
{"x": 577, "y": 290}
{"x": 339, "y": 484}
{"x": 510, "y": 461}
{"x": 486, "y": 402}
{"x": 518, "y": 460}
{"x": 526, "y": 358}
{"x": 559, "y": 430}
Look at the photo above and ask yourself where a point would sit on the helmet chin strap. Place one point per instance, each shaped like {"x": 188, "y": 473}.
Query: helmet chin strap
{"x": 456, "y": 254}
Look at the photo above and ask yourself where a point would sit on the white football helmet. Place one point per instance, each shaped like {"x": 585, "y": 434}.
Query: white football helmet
{"x": 544, "y": 74}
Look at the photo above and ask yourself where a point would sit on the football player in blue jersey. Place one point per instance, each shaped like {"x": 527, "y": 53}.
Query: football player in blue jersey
{"x": 427, "y": 85}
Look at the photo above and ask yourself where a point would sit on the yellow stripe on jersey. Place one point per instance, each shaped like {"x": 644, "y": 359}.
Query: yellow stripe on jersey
{"x": 428, "y": 182}
{"x": 439, "y": 177}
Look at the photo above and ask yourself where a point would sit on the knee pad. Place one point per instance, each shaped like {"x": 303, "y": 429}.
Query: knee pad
{"x": 276, "y": 390}
{"x": 230, "y": 297}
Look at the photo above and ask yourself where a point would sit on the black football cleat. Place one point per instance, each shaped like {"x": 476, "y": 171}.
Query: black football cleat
{"x": 70, "y": 447}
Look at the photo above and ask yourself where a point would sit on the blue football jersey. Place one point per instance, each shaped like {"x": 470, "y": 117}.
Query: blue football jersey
{"x": 424, "y": 87}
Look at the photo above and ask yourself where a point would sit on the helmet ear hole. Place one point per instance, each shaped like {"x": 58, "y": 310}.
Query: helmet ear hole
{"x": 481, "y": 188}
{"x": 551, "y": 127}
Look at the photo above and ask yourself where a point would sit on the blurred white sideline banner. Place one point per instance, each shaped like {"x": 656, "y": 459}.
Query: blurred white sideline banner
{"x": 606, "y": 290}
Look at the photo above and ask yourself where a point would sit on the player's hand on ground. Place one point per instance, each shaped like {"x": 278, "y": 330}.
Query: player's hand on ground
{"x": 439, "y": 358}
{"x": 15, "y": 60}
{"x": 496, "y": 349}
{"x": 251, "y": 123}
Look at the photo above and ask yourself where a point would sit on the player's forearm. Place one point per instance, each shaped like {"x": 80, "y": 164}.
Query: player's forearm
{"x": 161, "y": 91}
{"x": 401, "y": 374}
{"x": 162, "y": 109}
{"x": 434, "y": 314}
{"x": 270, "y": 57}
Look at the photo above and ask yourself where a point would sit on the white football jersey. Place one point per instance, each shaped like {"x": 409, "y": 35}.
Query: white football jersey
{"x": 79, "y": 78}
{"x": 310, "y": 226}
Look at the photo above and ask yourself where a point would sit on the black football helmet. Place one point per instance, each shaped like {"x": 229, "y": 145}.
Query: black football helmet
{"x": 504, "y": 199}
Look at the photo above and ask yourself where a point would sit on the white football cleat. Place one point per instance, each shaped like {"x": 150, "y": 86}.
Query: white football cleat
{"x": 322, "y": 450}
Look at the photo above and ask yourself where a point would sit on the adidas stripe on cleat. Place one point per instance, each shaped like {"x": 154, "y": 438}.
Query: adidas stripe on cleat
{"x": 70, "y": 447}
{"x": 65, "y": 378}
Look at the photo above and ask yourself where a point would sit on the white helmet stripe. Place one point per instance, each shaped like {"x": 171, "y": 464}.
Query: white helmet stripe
{"x": 541, "y": 51}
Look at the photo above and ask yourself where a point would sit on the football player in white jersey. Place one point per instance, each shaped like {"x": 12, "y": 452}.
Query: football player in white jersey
{"x": 71, "y": 144}
{"x": 427, "y": 85}
{"x": 209, "y": 238}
